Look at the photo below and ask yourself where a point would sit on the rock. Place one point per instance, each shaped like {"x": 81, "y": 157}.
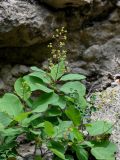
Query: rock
{"x": 92, "y": 54}
{"x": 115, "y": 16}
{"x": 24, "y": 24}
{"x": 66, "y": 3}
{"x": 19, "y": 70}
{"x": 104, "y": 58}
{"x": 27, "y": 27}
{"x": 108, "y": 109}
{"x": 24, "y": 69}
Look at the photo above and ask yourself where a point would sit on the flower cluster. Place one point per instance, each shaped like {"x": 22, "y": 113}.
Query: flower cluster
{"x": 58, "y": 47}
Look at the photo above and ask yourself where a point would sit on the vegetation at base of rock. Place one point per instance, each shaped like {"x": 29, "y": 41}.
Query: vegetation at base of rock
{"x": 49, "y": 109}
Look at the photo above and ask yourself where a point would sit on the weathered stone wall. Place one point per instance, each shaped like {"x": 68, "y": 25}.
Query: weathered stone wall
{"x": 27, "y": 26}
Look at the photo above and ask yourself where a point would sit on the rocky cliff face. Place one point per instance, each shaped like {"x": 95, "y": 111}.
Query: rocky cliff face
{"x": 27, "y": 26}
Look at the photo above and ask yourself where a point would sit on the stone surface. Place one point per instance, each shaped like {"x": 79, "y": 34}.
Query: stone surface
{"x": 108, "y": 109}
{"x": 104, "y": 58}
{"x": 26, "y": 27}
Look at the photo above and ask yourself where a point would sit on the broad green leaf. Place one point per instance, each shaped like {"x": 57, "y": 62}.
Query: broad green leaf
{"x": 41, "y": 104}
{"x": 57, "y": 70}
{"x": 29, "y": 120}
{"x": 71, "y": 77}
{"x": 82, "y": 102}
{"x": 1, "y": 127}
{"x": 58, "y": 153}
{"x": 53, "y": 111}
{"x": 88, "y": 143}
{"x": 104, "y": 151}
{"x": 41, "y": 75}
{"x": 40, "y": 125}
{"x": 34, "y": 68}
{"x": 48, "y": 128}
{"x": 99, "y": 127}
{"x": 62, "y": 128}
{"x": 22, "y": 89}
{"x": 12, "y": 132}
{"x": 11, "y": 105}
{"x": 71, "y": 87}
{"x": 58, "y": 149}
{"x": 61, "y": 102}
{"x": 37, "y": 84}
{"x": 81, "y": 153}
{"x": 22, "y": 116}
{"x": 77, "y": 135}
{"x": 74, "y": 115}
{"x": 5, "y": 120}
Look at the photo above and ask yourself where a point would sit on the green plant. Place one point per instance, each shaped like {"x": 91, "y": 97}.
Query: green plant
{"x": 53, "y": 116}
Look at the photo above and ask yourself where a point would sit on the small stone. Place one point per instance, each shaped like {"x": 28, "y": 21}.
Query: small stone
{"x": 15, "y": 71}
{"x": 24, "y": 69}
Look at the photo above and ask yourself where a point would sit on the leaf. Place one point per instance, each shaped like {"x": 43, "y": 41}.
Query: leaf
{"x": 37, "y": 84}
{"x": 22, "y": 116}
{"x": 58, "y": 153}
{"x": 71, "y": 77}
{"x": 41, "y": 104}
{"x": 81, "y": 153}
{"x": 74, "y": 115}
{"x": 11, "y": 105}
{"x": 88, "y": 143}
{"x": 34, "y": 68}
{"x": 62, "y": 128}
{"x": 71, "y": 87}
{"x": 58, "y": 149}
{"x": 61, "y": 102}
{"x": 104, "y": 151}
{"x": 53, "y": 111}
{"x": 1, "y": 127}
{"x": 77, "y": 135}
{"x": 12, "y": 132}
{"x": 22, "y": 89}
{"x": 30, "y": 119}
{"x": 82, "y": 102}
{"x": 69, "y": 157}
{"x": 44, "y": 76}
{"x": 5, "y": 120}
{"x": 57, "y": 70}
{"x": 48, "y": 128}
{"x": 99, "y": 127}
